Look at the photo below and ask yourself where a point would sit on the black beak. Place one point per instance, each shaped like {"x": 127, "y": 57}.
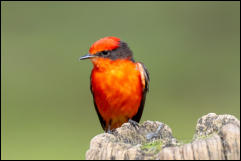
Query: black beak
{"x": 87, "y": 56}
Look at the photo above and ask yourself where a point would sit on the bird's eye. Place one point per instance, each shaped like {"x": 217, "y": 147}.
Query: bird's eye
{"x": 104, "y": 53}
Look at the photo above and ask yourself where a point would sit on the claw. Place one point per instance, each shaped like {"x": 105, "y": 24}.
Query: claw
{"x": 134, "y": 123}
{"x": 110, "y": 131}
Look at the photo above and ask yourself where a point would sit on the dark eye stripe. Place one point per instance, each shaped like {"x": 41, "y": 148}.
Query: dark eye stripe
{"x": 104, "y": 52}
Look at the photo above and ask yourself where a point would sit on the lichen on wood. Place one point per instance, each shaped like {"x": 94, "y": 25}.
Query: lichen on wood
{"x": 216, "y": 137}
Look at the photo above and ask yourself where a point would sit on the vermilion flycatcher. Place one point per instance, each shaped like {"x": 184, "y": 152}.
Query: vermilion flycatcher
{"x": 118, "y": 83}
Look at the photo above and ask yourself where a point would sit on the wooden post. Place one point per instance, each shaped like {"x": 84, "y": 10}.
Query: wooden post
{"x": 217, "y": 137}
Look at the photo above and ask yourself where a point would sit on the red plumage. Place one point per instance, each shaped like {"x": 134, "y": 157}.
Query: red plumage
{"x": 118, "y": 84}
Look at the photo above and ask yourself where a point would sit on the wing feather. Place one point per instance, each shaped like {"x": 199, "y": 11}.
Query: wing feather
{"x": 102, "y": 122}
{"x": 145, "y": 81}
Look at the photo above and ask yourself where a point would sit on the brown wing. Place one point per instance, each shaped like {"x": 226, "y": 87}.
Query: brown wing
{"x": 102, "y": 122}
{"x": 145, "y": 81}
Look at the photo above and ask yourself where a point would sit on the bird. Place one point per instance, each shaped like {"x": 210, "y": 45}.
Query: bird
{"x": 118, "y": 84}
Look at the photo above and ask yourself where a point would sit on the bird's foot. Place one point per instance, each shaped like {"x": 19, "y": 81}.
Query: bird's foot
{"x": 110, "y": 131}
{"x": 134, "y": 123}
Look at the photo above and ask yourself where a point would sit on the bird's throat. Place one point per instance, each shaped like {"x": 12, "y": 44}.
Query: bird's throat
{"x": 108, "y": 64}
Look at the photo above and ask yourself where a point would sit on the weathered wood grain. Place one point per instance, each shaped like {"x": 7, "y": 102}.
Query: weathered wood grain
{"x": 217, "y": 137}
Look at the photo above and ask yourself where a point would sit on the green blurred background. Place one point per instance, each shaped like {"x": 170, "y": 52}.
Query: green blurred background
{"x": 191, "y": 49}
